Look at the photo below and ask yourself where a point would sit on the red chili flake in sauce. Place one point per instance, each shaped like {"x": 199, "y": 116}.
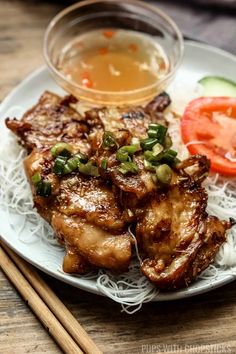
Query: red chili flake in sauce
{"x": 86, "y": 80}
{"x": 162, "y": 65}
{"x": 85, "y": 75}
{"x": 103, "y": 50}
{"x": 133, "y": 47}
{"x": 108, "y": 34}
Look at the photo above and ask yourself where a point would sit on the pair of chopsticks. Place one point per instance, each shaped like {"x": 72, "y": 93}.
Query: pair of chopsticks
{"x": 56, "y": 318}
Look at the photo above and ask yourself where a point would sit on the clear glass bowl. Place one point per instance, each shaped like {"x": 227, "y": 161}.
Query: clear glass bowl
{"x": 123, "y": 14}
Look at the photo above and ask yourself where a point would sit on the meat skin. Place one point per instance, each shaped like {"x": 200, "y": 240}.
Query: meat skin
{"x": 176, "y": 237}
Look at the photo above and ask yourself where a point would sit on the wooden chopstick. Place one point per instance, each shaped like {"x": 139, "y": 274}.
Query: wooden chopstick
{"x": 58, "y": 309}
{"x": 38, "y": 306}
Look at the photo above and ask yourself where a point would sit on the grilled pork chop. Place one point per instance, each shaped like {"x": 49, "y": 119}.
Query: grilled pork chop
{"x": 91, "y": 214}
{"x": 178, "y": 237}
{"x": 84, "y": 212}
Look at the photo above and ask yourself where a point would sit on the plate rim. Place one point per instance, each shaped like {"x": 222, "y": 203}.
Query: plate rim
{"x": 70, "y": 279}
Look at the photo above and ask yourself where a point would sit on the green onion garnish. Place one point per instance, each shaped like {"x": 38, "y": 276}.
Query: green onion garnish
{"x": 82, "y": 157}
{"x": 130, "y": 149}
{"x": 148, "y": 166}
{"x": 161, "y": 133}
{"x": 152, "y": 133}
{"x": 59, "y": 165}
{"x": 109, "y": 140}
{"x": 89, "y": 169}
{"x": 61, "y": 149}
{"x": 71, "y": 164}
{"x": 149, "y": 156}
{"x": 36, "y": 178}
{"x": 153, "y": 126}
{"x": 167, "y": 142}
{"x": 128, "y": 167}
{"x": 123, "y": 153}
{"x": 148, "y": 143}
{"x": 104, "y": 164}
{"x": 157, "y": 131}
{"x": 122, "y": 156}
{"x": 169, "y": 156}
{"x": 43, "y": 188}
{"x": 157, "y": 149}
{"x": 164, "y": 174}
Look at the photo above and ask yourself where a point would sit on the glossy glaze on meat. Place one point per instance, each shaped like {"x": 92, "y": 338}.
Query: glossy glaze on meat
{"x": 176, "y": 237}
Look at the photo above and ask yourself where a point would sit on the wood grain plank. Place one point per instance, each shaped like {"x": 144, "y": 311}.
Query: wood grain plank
{"x": 207, "y": 320}
{"x": 20, "y": 331}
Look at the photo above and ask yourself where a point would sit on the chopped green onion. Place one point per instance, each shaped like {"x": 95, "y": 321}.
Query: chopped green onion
{"x": 168, "y": 142}
{"x": 157, "y": 149}
{"x": 109, "y": 140}
{"x": 152, "y": 133}
{"x": 164, "y": 174}
{"x": 153, "y": 126}
{"x": 82, "y": 157}
{"x": 65, "y": 153}
{"x": 122, "y": 156}
{"x": 130, "y": 149}
{"x": 123, "y": 153}
{"x": 71, "y": 165}
{"x": 89, "y": 169}
{"x": 59, "y": 165}
{"x": 148, "y": 166}
{"x": 161, "y": 133}
{"x": 169, "y": 156}
{"x": 128, "y": 167}
{"x": 104, "y": 164}
{"x": 43, "y": 189}
{"x": 148, "y": 143}
{"x": 149, "y": 156}
{"x": 61, "y": 149}
{"x": 36, "y": 178}
{"x": 157, "y": 131}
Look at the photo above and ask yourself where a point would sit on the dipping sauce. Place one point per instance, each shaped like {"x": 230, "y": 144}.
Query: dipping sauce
{"x": 113, "y": 60}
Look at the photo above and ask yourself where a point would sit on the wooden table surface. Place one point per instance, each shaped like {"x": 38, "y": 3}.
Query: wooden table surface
{"x": 203, "y": 324}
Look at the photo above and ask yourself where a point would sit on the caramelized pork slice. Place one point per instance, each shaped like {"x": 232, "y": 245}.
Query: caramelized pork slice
{"x": 127, "y": 122}
{"x": 92, "y": 199}
{"x": 75, "y": 194}
{"x": 139, "y": 185}
{"x": 89, "y": 245}
{"x": 90, "y": 215}
{"x": 51, "y": 120}
{"x": 40, "y": 161}
{"x": 214, "y": 237}
{"x": 86, "y": 216}
{"x": 178, "y": 239}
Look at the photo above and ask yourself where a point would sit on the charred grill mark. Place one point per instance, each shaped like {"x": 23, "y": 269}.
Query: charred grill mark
{"x": 133, "y": 115}
{"x": 159, "y": 103}
{"x": 91, "y": 215}
{"x": 68, "y": 100}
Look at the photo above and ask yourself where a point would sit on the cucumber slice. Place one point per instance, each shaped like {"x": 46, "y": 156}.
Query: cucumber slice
{"x": 218, "y": 86}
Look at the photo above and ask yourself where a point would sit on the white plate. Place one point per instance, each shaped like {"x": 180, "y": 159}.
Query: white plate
{"x": 199, "y": 60}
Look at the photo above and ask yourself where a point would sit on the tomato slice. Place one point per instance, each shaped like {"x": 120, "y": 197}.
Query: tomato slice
{"x": 208, "y": 127}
